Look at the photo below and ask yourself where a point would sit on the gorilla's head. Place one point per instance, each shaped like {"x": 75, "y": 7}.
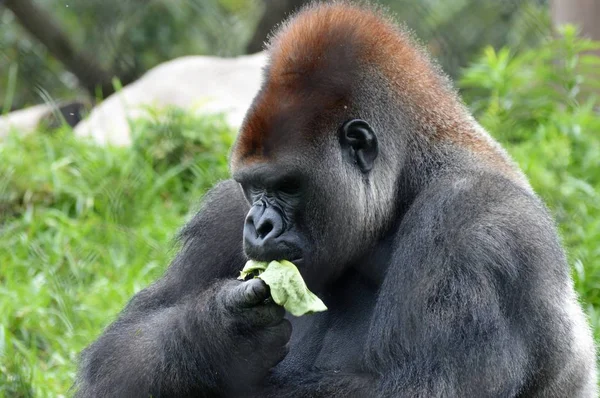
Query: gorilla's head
{"x": 315, "y": 204}
{"x": 322, "y": 151}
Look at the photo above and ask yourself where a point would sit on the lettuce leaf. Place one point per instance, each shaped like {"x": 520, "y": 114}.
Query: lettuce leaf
{"x": 287, "y": 286}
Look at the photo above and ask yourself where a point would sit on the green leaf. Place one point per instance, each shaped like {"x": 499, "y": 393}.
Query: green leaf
{"x": 287, "y": 286}
{"x": 252, "y": 267}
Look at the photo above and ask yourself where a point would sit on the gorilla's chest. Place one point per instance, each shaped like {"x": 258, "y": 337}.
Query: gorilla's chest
{"x": 335, "y": 339}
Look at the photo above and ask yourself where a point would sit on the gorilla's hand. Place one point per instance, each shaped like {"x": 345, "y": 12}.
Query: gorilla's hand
{"x": 256, "y": 331}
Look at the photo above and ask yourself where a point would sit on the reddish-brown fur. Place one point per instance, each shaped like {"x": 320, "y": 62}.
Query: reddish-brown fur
{"x": 314, "y": 59}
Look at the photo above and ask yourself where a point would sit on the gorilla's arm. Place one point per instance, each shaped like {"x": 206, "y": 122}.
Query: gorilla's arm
{"x": 154, "y": 346}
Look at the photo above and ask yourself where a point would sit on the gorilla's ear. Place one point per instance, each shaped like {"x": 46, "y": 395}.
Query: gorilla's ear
{"x": 360, "y": 143}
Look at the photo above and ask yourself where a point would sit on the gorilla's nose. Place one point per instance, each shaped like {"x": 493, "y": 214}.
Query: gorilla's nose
{"x": 263, "y": 226}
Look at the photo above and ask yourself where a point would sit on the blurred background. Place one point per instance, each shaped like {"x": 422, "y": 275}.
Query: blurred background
{"x": 117, "y": 115}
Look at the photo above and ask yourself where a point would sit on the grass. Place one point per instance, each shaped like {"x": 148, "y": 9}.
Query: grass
{"x": 82, "y": 228}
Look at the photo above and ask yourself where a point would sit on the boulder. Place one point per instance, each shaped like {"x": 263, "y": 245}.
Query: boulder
{"x": 197, "y": 83}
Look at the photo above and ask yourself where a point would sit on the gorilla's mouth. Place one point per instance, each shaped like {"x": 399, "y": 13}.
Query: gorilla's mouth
{"x": 281, "y": 250}
{"x": 297, "y": 261}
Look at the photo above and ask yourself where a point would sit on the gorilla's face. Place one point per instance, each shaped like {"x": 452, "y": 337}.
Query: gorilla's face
{"x": 272, "y": 227}
{"x": 310, "y": 206}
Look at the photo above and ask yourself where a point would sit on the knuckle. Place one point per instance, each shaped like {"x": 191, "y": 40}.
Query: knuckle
{"x": 259, "y": 286}
{"x": 259, "y": 316}
{"x": 255, "y": 290}
{"x": 266, "y": 315}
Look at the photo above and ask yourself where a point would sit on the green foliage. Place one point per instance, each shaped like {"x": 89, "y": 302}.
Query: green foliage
{"x": 542, "y": 106}
{"x": 82, "y": 228}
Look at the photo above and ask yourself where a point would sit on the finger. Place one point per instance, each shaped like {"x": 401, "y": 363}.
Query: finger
{"x": 265, "y": 315}
{"x": 248, "y": 294}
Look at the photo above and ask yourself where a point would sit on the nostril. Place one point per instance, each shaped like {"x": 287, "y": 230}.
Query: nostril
{"x": 264, "y": 228}
{"x": 263, "y": 224}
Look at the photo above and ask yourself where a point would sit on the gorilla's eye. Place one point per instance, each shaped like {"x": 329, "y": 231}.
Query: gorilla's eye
{"x": 289, "y": 186}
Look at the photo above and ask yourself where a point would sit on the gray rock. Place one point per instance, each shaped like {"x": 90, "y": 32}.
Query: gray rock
{"x": 197, "y": 83}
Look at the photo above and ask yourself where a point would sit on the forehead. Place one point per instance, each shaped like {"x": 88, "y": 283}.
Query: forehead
{"x": 291, "y": 110}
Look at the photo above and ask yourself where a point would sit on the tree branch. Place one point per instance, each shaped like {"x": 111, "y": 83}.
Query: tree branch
{"x": 44, "y": 28}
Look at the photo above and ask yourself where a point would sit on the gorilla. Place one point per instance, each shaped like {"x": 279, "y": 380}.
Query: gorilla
{"x": 441, "y": 268}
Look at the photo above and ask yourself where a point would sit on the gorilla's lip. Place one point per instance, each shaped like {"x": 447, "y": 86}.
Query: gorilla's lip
{"x": 296, "y": 261}
{"x": 283, "y": 250}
